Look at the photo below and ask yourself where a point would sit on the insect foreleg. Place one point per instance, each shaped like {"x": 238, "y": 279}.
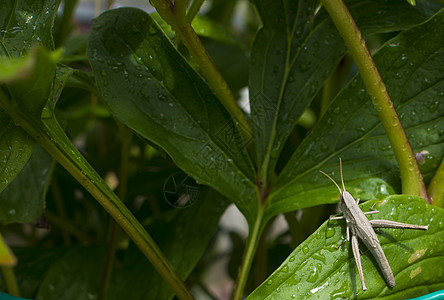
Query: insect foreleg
{"x": 371, "y": 212}
{"x": 357, "y": 255}
{"x": 393, "y": 224}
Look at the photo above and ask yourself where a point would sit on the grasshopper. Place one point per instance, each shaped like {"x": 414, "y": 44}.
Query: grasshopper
{"x": 361, "y": 227}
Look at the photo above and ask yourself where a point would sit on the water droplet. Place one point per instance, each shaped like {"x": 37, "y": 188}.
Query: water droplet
{"x": 330, "y": 232}
{"x": 313, "y": 90}
{"x": 303, "y": 67}
{"x": 401, "y": 61}
{"x": 305, "y": 249}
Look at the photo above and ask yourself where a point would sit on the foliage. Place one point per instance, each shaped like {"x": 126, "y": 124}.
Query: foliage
{"x": 138, "y": 117}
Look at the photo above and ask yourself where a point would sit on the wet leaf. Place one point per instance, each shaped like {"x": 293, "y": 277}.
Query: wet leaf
{"x": 292, "y": 56}
{"x": 75, "y": 275}
{"x": 317, "y": 269}
{"x": 33, "y": 264}
{"x": 23, "y": 200}
{"x": 23, "y": 23}
{"x": 150, "y": 88}
{"x": 411, "y": 66}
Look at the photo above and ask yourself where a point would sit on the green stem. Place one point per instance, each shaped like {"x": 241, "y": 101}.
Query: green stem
{"x": 57, "y": 144}
{"x": 194, "y": 9}
{"x": 60, "y": 208}
{"x": 127, "y": 136}
{"x": 250, "y": 248}
{"x": 334, "y": 83}
{"x": 436, "y": 187}
{"x": 65, "y": 25}
{"x": 68, "y": 229}
{"x": 10, "y": 281}
{"x": 177, "y": 19}
{"x": 412, "y": 182}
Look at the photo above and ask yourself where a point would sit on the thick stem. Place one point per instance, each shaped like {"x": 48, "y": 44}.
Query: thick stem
{"x": 436, "y": 187}
{"x": 412, "y": 182}
{"x": 250, "y": 248}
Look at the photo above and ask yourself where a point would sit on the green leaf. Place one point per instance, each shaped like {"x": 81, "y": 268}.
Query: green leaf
{"x": 33, "y": 264}
{"x": 317, "y": 269}
{"x": 16, "y": 146}
{"x": 150, "y": 88}
{"x": 209, "y": 28}
{"x": 411, "y": 66}
{"x": 76, "y": 275}
{"x": 30, "y": 92}
{"x": 10, "y": 69}
{"x": 25, "y": 23}
{"x": 292, "y": 56}
{"x": 23, "y": 200}
{"x": 183, "y": 235}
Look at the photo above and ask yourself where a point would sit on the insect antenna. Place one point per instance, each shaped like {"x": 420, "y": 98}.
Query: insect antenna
{"x": 342, "y": 178}
{"x": 332, "y": 181}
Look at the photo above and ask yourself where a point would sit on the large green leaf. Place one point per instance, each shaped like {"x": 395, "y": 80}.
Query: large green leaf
{"x": 33, "y": 263}
{"x": 75, "y": 275}
{"x": 23, "y": 200}
{"x": 318, "y": 269}
{"x": 183, "y": 235}
{"x": 29, "y": 89}
{"x": 294, "y": 54}
{"x": 37, "y": 117}
{"x": 22, "y": 24}
{"x": 150, "y": 87}
{"x": 411, "y": 66}
{"x": 25, "y": 23}
{"x": 16, "y": 147}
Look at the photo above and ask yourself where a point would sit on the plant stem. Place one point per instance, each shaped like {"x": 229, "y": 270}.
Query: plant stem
{"x": 412, "y": 181}
{"x": 62, "y": 31}
{"x": 436, "y": 188}
{"x": 334, "y": 83}
{"x": 194, "y": 9}
{"x": 60, "y": 208}
{"x": 250, "y": 248}
{"x": 175, "y": 16}
{"x": 54, "y": 140}
{"x": 127, "y": 136}
{"x": 68, "y": 229}
{"x": 10, "y": 281}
